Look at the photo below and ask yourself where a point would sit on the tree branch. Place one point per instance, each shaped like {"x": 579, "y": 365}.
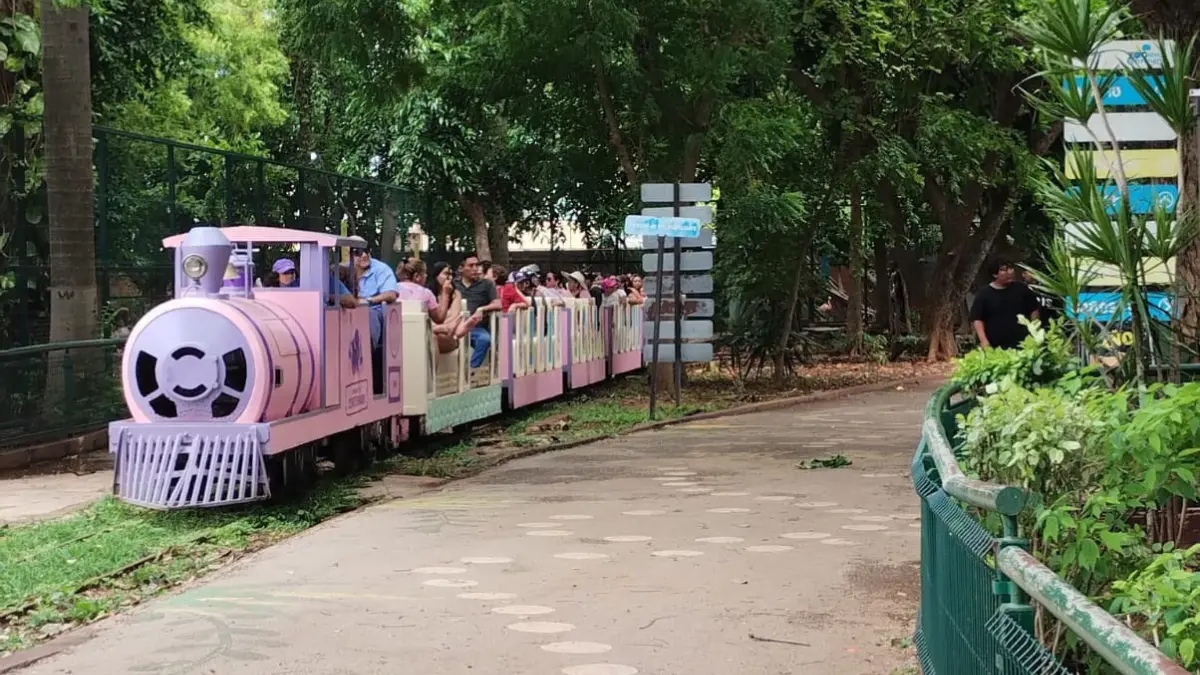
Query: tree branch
{"x": 615, "y": 137}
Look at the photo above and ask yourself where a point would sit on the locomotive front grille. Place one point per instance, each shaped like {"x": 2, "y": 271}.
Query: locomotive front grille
{"x": 165, "y": 466}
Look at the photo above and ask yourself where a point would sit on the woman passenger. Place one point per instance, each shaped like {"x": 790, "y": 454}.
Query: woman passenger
{"x": 441, "y": 286}
{"x": 413, "y": 286}
{"x": 634, "y": 295}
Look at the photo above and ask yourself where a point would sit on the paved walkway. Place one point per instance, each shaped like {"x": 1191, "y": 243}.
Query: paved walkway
{"x": 38, "y": 497}
{"x": 695, "y": 549}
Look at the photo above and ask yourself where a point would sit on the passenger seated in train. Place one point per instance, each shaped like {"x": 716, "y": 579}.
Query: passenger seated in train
{"x": 440, "y": 283}
{"x": 413, "y": 286}
{"x": 614, "y": 295}
{"x": 342, "y": 287}
{"x": 376, "y": 286}
{"x": 284, "y": 274}
{"x": 481, "y": 297}
{"x": 511, "y": 296}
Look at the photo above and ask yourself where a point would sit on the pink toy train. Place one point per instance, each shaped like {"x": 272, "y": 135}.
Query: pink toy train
{"x": 234, "y": 392}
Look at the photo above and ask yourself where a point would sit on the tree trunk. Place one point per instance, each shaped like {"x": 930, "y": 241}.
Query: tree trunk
{"x": 854, "y": 315}
{"x": 789, "y": 315}
{"x": 883, "y": 287}
{"x": 474, "y": 210}
{"x": 498, "y": 237}
{"x": 387, "y": 237}
{"x": 68, "y": 129}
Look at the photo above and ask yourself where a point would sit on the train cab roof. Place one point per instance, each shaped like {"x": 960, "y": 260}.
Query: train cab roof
{"x": 240, "y": 234}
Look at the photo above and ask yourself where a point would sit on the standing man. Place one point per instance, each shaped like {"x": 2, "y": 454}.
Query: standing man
{"x": 996, "y": 308}
{"x": 481, "y": 297}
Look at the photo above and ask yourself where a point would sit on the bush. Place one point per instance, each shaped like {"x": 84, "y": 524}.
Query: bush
{"x": 1044, "y": 356}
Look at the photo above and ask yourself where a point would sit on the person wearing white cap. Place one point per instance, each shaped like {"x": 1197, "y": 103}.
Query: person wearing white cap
{"x": 577, "y": 285}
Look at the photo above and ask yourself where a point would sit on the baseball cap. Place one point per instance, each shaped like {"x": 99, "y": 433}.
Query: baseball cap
{"x": 283, "y": 265}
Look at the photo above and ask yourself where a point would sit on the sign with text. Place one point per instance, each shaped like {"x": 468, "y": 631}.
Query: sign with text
{"x": 1121, "y": 91}
{"x": 1102, "y": 306}
{"x": 1121, "y": 54}
{"x": 664, "y": 193}
{"x": 702, "y": 213}
{"x": 661, "y": 227}
{"x": 691, "y": 284}
{"x": 699, "y": 307}
{"x": 690, "y": 261}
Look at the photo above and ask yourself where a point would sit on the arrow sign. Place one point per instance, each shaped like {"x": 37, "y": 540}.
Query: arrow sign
{"x": 693, "y": 329}
{"x": 699, "y": 307}
{"x": 691, "y": 261}
{"x": 692, "y": 352}
{"x": 662, "y": 227}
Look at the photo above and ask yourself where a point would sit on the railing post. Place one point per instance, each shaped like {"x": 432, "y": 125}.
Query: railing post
{"x": 1016, "y": 604}
{"x": 68, "y": 386}
{"x": 102, "y": 215}
{"x": 172, "y": 196}
{"x": 302, "y": 207}
{"x": 260, "y": 193}
{"x": 17, "y": 139}
{"x": 228, "y": 190}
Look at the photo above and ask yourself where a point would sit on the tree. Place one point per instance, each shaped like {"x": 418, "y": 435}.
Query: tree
{"x": 68, "y": 130}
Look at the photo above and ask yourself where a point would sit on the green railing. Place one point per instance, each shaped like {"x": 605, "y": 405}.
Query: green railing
{"x": 53, "y": 391}
{"x": 148, "y": 188}
{"x": 979, "y": 593}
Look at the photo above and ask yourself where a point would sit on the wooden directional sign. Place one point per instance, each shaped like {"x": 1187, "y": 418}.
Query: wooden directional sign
{"x": 1138, "y": 164}
{"x": 1120, "y": 92}
{"x": 691, "y": 261}
{"x": 698, "y": 307}
{"x": 693, "y": 329}
{"x": 693, "y": 352}
{"x": 662, "y": 227}
{"x": 693, "y": 284}
{"x": 664, "y": 193}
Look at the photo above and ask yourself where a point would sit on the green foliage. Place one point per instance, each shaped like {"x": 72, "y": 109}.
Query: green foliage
{"x": 1164, "y": 598}
{"x": 20, "y": 57}
{"x": 1044, "y": 356}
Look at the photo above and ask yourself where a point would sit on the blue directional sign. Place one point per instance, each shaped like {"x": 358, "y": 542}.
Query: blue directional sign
{"x": 1121, "y": 91}
{"x": 1102, "y": 306}
{"x": 1142, "y": 197}
{"x": 662, "y": 227}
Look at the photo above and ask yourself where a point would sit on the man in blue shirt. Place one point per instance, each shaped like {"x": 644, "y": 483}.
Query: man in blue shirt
{"x": 376, "y": 286}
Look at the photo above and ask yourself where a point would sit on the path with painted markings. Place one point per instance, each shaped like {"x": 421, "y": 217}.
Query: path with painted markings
{"x": 696, "y": 549}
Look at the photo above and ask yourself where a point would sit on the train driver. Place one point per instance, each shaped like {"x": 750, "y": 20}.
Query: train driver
{"x": 286, "y": 270}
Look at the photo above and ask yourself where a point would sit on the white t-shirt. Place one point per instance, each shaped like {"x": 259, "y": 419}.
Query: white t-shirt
{"x": 613, "y": 299}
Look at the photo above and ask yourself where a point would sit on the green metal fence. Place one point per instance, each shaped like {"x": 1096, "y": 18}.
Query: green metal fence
{"x": 148, "y": 188}
{"x": 56, "y": 390}
{"x": 979, "y": 593}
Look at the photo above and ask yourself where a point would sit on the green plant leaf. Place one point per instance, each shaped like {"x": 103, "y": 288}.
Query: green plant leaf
{"x": 1187, "y": 651}
{"x": 1089, "y": 553}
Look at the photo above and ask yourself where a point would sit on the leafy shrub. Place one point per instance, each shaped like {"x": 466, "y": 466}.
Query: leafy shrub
{"x": 1164, "y": 600}
{"x": 1044, "y": 356}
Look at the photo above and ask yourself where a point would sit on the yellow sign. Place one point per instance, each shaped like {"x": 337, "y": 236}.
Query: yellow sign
{"x": 1157, "y": 274}
{"x": 1138, "y": 164}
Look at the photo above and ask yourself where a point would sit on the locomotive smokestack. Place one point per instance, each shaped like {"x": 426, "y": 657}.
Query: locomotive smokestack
{"x": 205, "y": 253}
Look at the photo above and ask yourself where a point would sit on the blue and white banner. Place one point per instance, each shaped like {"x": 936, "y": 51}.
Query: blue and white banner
{"x": 1102, "y": 306}
{"x": 1120, "y": 92}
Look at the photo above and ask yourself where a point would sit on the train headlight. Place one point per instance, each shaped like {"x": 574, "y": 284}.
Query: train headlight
{"x": 194, "y": 266}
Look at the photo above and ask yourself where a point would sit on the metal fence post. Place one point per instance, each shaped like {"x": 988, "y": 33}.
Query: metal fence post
{"x": 228, "y": 190}
{"x": 1015, "y": 604}
{"x": 20, "y": 247}
{"x": 172, "y": 215}
{"x": 260, "y": 193}
{"x": 102, "y": 215}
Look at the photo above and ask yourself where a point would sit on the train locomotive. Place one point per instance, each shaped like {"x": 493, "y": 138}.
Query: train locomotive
{"x": 236, "y": 391}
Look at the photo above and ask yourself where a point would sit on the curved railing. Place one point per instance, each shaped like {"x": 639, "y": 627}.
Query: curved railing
{"x": 976, "y": 614}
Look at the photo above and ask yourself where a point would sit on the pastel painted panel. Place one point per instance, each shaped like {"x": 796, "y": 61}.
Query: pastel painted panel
{"x": 1138, "y": 164}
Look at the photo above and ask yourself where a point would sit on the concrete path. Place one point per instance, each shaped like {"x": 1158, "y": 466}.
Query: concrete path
{"x": 38, "y": 497}
{"x": 697, "y": 549}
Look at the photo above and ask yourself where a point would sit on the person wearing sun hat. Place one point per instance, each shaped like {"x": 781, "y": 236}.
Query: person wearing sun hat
{"x": 285, "y": 269}
{"x": 577, "y": 285}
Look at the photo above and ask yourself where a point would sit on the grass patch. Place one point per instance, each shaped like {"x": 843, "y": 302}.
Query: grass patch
{"x": 112, "y": 555}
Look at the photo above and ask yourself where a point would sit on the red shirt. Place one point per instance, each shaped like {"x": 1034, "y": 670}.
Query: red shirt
{"x": 509, "y": 296}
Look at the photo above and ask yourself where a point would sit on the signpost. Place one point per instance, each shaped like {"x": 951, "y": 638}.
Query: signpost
{"x": 683, "y": 222}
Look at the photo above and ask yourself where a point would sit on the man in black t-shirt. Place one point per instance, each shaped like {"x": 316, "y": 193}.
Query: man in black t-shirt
{"x": 479, "y": 293}
{"x": 997, "y": 305}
